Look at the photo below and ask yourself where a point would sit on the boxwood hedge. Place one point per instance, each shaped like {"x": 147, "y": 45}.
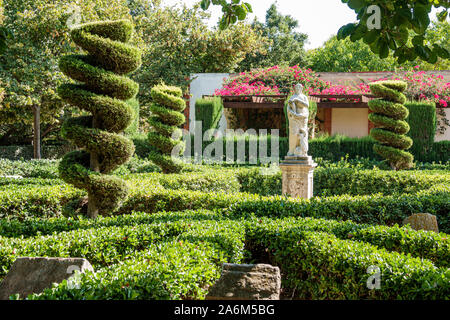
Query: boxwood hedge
{"x": 317, "y": 265}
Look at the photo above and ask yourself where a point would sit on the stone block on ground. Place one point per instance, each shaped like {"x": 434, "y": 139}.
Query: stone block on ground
{"x": 247, "y": 282}
{"x": 32, "y": 274}
{"x": 422, "y": 221}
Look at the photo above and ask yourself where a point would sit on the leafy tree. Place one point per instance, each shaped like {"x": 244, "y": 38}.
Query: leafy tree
{"x": 29, "y": 66}
{"x": 437, "y": 34}
{"x": 3, "y": 30}
{"x": 232, "y": 12}
{"x": 177, "y": 42}
{"x": 399, "y": 19}
{"x": 402, "y": 28}
{"x": 347, "y": 56}
{"x": 286, "y": 44}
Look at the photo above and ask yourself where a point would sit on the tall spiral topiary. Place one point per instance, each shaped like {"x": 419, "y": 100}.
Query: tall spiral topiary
{"x": 167, "y": 108}
{"x": 104, "y": 91}
{"x": 390, "y": 127}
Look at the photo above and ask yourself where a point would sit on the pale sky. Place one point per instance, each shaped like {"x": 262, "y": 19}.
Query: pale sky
{"x": 319, "y": 19}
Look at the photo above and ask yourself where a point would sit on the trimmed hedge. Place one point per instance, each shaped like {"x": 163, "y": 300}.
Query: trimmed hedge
{"x": 25, "y": 152}
{"x": 422, "y": 120}
{"x": 209, "y": 112}
{"x": 339, "y": 181}
{"x": 101, "y": 246}
{"x": 318, "y": 265}
{"x": 420, "y": 244}
{"x": 423, "y": 244}
{"x": 33, "y": 227}
{"x": 179, "y": 255}
{"x": 146, "y": 196}
{"x": 183, "y": 268}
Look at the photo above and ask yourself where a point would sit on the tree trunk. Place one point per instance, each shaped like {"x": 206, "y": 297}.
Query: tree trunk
{"x": 95, "y": 166}
{"x": 37, "y": 131}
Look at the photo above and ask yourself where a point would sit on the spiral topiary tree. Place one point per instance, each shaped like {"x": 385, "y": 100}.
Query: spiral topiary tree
{"x": 104, "y": 91}
{"x": 390, "y": 127}
{"x": 167, "y": 109}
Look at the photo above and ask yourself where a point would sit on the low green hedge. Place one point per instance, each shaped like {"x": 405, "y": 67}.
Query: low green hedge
{"x": 318, "y": 265}
{"x": 182, "y": 268}
{"x": 339, "y": 181}
{"x": 20, "y": 202}
{"x": 101, "y": 246}
{"x": 26, "y": 152}
{"x": 178, "y": 256}
{"x": 420, "y": 244}
{"x": 429, "y": 245}
{"x": 372, "y": 209}
{"x": 33, "y": 227}
{"x": 168, "y": 271}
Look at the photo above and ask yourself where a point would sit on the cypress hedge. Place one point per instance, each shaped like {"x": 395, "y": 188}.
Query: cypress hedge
{"x": 209, "y": 112}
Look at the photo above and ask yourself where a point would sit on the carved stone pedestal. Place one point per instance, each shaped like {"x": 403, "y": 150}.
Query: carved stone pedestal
{"x": 298, "y": 176}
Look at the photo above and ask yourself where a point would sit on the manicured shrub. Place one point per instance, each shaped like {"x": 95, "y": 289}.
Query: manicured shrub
{"x": 33, "y": 227}
{"x": 167, "y": 109}
{"x": 106, "y": 93}
{"x": 20, "y": 153}
{"x": 320, "y": 266}
{"x": 177, "y": 271}
{"x": 209, "y": 111}
{"x": 133, "y": 129}
{"x": 374, "y": 209}
{"x": 46, "y": 169}
{"x": 148, "y": 195}
{"x": 174, "y": 269}
{"x": 338, "y": 181}
{"x": 101, "y": 246}
{"x": 421, "y": 244}
{"x": 422, "y": 121}
{"x": 390, "y": 127}
{"x": 440, "y": 152}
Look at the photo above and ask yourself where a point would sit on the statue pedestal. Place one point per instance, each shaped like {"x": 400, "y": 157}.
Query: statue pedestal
{"x": 298, "y": 176}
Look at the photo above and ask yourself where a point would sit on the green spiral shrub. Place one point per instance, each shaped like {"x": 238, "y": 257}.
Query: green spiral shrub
{"x": 105, "y": 92}
{"x": 390, "y": 127}
{"x": 167, "y": 109}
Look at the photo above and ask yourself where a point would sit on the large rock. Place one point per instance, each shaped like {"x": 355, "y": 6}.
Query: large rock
{"x": 247, "y": 282}
{"x": 33, "y": 275}
{"x": 422, "y": 221}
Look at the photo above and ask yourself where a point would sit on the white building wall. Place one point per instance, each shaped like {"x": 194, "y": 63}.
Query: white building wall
{"x": 205, "y": 84}
{"x": 350, "y": 122}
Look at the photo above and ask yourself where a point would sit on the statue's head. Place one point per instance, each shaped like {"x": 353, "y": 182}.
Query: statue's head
{"x": 298, "y": 89}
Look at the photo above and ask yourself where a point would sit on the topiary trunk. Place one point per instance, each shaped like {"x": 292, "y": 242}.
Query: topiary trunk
{"x": 104, "y": 94}
{"x": 167, "y": 109}
{"x": 390, "y": 127}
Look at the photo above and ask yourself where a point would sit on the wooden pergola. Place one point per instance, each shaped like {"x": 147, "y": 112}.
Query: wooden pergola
{"x": 254, "y": 102}
{"x": 324, "y": 101}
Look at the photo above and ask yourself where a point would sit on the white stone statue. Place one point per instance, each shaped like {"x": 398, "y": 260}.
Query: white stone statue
{"x": 298, "y": 115}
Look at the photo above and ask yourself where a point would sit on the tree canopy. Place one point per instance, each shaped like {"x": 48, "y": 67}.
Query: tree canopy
{"x": 347, "y": 56}
{"x": 177, "y": 42}
{"x": 285, "y": 46}
{"x": 402, "y": 26}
